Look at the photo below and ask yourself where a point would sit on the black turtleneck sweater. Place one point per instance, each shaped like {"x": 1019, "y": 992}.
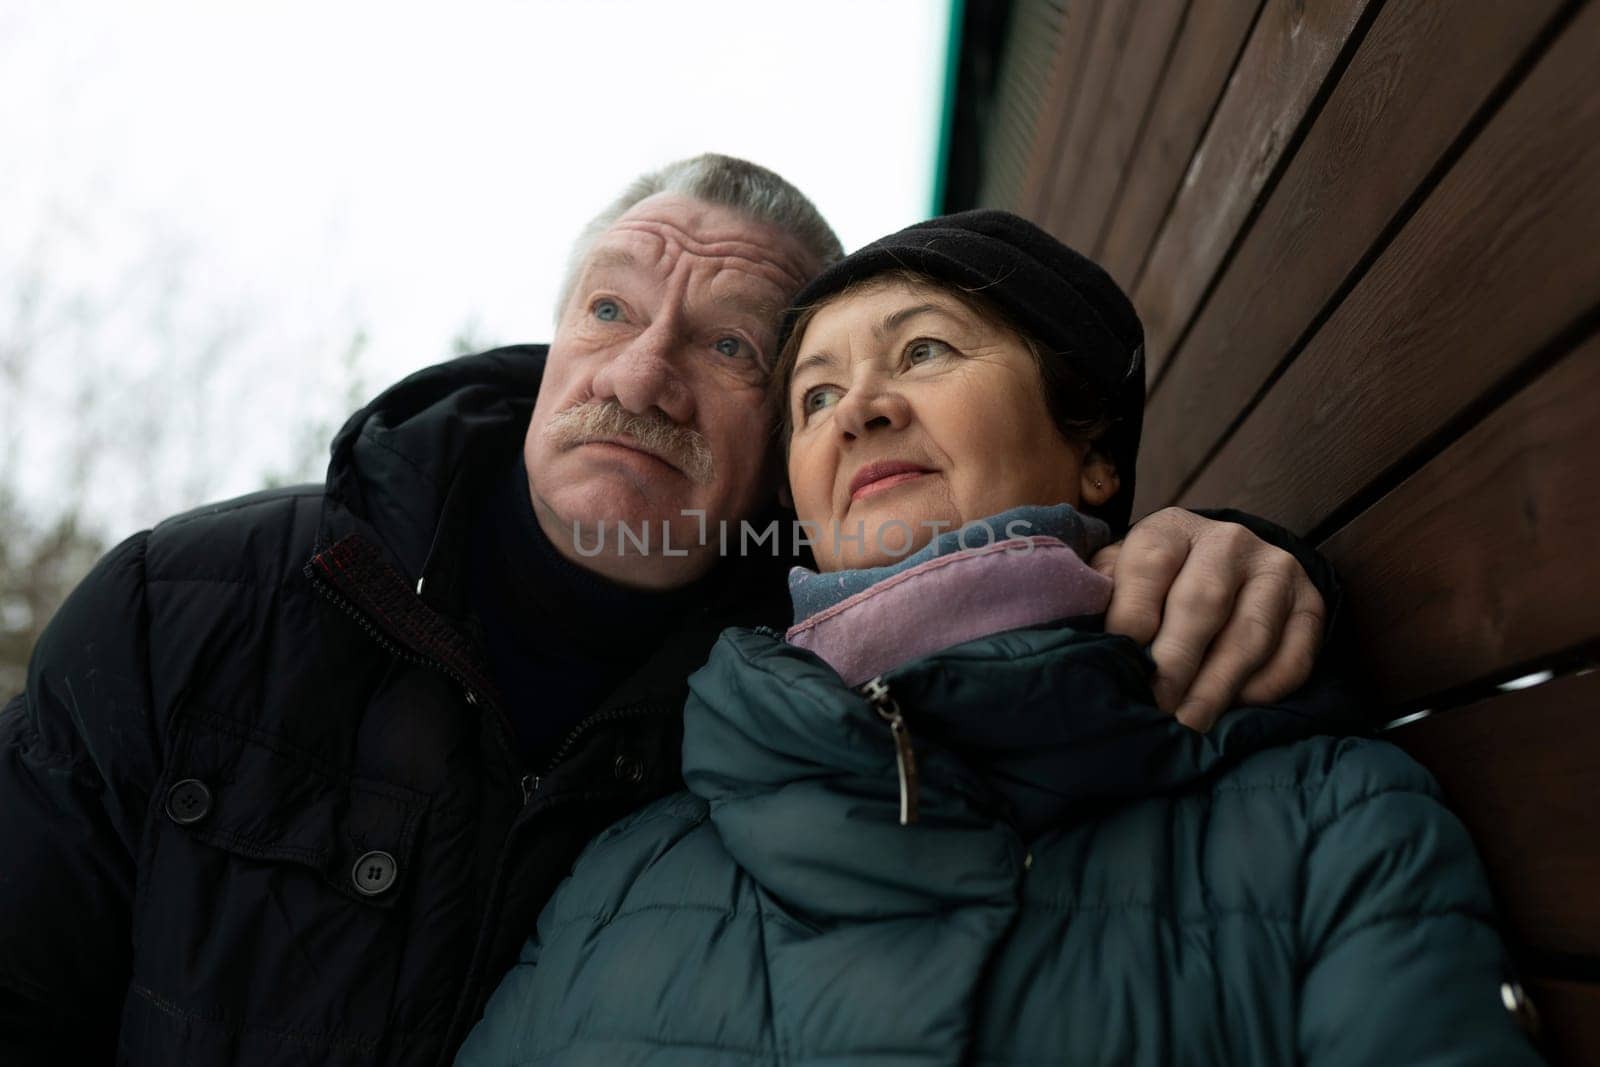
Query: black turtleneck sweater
{"x": 559, "y": 638}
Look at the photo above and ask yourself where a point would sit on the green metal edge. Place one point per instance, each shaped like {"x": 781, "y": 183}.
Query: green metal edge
{"x": 952, "y": 68}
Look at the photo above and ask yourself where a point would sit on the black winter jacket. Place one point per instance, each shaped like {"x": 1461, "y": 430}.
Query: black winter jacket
{"x": 260, "y": 810}
{"x": 258, "y": 804}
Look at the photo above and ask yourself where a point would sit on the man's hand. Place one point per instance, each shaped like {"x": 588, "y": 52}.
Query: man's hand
{"x": 1228, "y": 618}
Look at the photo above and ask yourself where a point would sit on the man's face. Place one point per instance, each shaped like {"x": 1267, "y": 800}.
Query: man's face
{"x": 652, "y": 398}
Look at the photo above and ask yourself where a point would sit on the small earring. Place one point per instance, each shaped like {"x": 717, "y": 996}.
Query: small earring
{"x": 1098, "y": 484}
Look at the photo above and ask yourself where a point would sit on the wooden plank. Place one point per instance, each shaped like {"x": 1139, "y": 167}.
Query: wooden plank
{"x": 1491, "y": 268}
{"x": 1484, "y": 559}
{"x": 1066, "y": 63}
{"x": 1291, "y": 50}
{"x": 1011, "y": 140}
{"x": 1208, "y": 46}
{"x": 1422, "y": 71}
{"x": 1099, "y": 64}
{"x": 1072, "y": 50}
{"x": 1520, "y": 770}
{"x": 1127, "y": 98}
{"x": 1569, "y": 1020}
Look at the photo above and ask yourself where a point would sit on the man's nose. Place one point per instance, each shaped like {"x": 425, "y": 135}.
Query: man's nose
{"x": 647, "y": 373}
{"x": 870, "y": 406}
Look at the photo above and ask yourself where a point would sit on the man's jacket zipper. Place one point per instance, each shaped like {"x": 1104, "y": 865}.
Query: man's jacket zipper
{"x": 498, "y": 716}
{"x": 531, "y": 782}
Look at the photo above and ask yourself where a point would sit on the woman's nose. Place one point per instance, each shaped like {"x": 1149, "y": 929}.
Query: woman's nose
{"x": 868, "y": 407}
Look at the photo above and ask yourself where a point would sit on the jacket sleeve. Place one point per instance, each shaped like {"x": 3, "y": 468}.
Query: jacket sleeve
{"x": 77, "y": 762}
{"x": 1403, "y": 963}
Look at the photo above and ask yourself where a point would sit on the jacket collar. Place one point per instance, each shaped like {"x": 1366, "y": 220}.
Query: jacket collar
{"x": 397, "y": 505}
{"x": 1029, "y": 570}
{"x": 815, "y": 592}
{"x": 406, "y": 467}
{"x": 1014, "y": 734}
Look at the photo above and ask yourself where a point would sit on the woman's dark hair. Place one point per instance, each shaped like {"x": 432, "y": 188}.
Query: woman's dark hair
{"x": 1076, "y": 408}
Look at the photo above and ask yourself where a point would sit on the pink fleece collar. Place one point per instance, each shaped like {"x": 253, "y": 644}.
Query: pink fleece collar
{"x": 951, "y": 599}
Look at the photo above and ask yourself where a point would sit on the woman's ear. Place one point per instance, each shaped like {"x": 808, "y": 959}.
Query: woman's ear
{"x": 1097, "y": 479}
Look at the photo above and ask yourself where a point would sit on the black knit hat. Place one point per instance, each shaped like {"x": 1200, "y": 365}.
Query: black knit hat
{"x": 1060, "y": 299}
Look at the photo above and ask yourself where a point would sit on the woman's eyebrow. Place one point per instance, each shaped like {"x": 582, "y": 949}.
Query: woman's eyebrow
{"x": 822, "y": 359}
{"x": 896, "y": 319}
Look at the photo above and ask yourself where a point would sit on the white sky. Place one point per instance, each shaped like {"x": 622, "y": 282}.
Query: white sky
{"x": 223, "y": 225}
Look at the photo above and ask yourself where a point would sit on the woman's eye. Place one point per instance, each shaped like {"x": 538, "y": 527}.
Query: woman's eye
{"x": 731, "y": 347}
{"x": 606, "y": 310}
{"x": 822, "y": 396}
{"x": 924, "y": 349}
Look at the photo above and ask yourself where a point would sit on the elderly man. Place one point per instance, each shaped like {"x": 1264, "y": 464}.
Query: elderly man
{"x": 294, "y": 774}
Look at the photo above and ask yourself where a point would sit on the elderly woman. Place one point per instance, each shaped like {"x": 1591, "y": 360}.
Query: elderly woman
{"x": 942, "y": 820}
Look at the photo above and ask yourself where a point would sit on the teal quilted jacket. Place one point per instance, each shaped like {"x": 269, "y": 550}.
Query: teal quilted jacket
{"x": 1087, "y": 882}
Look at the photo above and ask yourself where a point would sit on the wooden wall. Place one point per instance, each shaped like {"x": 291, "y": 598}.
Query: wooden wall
{"x": 1364, "y": 237}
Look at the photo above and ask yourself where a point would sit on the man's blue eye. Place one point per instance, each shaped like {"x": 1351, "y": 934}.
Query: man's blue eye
{"x": 607, "y": 310}
{"x": 731, "y": 347}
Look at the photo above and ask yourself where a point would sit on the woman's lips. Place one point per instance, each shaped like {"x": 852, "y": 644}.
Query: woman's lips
{"x": 886, "y": 483}
{"x": 879, "y": 477}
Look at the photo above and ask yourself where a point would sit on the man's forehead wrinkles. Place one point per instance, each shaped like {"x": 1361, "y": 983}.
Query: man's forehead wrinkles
{"x": 630, "y": 250}
{"x": 749, "y": 254}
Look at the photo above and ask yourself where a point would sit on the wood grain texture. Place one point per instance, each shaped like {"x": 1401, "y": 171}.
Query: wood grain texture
{"x": 1127, "y": 98}
{"x": 1520, "y": 770}
{"x": 1208, "y": 45}
{"x": 1486, "y": 557}
{"x": 1496, "y": 263}
{"x": 1291, "y": 50}
{"x": 1423, "y": 70}
{"x": 1022, "y": 88}
{"x": 1569, "y": 1015}
{"x": 1100, "y": 64}
{"x": 1076, "y": 33}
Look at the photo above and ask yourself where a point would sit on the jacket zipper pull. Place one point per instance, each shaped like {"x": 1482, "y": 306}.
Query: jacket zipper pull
{"x": 877, "y": 694}
{"x": 530, "y": 782}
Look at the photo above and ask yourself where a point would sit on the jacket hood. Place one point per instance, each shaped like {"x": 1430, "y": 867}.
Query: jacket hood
{"x": 1014, "y": 734}
{"x": 397, "y": 462}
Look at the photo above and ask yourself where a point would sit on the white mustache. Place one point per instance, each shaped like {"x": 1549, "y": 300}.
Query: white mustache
{"x": 599, "y": 420}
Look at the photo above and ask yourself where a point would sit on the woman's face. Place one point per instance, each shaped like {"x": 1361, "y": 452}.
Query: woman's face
{"x": 912, "y": 414}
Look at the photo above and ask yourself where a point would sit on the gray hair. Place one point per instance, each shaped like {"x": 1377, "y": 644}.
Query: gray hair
{"x": 746, "y": 187}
